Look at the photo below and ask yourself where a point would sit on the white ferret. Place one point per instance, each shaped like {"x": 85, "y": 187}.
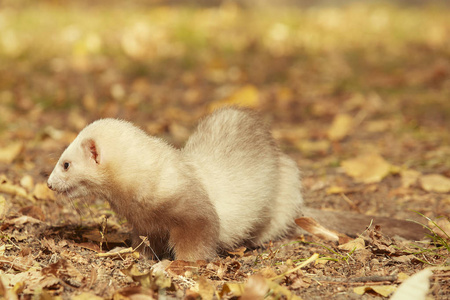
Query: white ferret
{"x": 230, "y": 185}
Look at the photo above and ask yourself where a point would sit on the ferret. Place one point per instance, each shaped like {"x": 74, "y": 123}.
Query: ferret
{"x": 230, "y": 185}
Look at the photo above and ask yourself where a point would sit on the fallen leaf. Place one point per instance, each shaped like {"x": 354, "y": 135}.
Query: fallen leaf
{"x": 383, "y": 290}
{"x": 63, "y": 269}
{"x": 441, "y": 227}
{"x": 280, "y": 291}
{"x": 179, "y": 267}
{"x": 255, "y": 288}
{"x": 10, "y": 152}
{"x": 238, "y": 252}
{"x": 341, "y": 126}
{"x": 435, "y": 183}
{"x": 86, "y": 296}
{"x": 6, "y": 293}
{"x": 368, "y": 168}
{"x": 27, "y": 182}
{"x": 161, "y": 265}
{"x": 235, "y": 289}
{"x": 42, "y": 192}
{"x": 362, "y": 255}
{"x": 205, "y": 289}
{"x": 134, "y": 293}
{"x": 33, "y": 211}
{"x": 416, "y": 287}
{"x": 19, "y": 221}
{"x": 7, "y": 187}
{"x": 144, "y": 278}
{"x": 2, "y": 207}
{"x": 402, "y": 276}
{"x": 353, "y": 245}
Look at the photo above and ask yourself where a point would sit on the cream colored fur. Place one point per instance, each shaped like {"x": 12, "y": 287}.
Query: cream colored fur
{"x": 229, "y": 186}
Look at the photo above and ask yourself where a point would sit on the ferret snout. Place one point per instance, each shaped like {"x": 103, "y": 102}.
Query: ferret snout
{"x": 49, "y": 185}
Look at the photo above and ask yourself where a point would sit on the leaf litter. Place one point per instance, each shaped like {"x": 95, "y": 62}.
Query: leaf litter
{"x": 366, "y": 121}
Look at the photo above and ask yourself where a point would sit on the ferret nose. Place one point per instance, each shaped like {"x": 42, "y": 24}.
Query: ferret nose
{"x": 49, "y": 185}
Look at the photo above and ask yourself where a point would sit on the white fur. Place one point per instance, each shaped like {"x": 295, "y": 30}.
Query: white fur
{"x": 230, "y": 174}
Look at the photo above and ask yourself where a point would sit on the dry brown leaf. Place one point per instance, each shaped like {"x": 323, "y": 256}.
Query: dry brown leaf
{"x": 205, "y": 289}
{"x": 268, "y": 272}
{"x": 3, "y": 207}
{"x": 179, "y": 267}
{"x": 255, "y": 288}
{"x": 42, "y": 192}
{"x": 355, "y": 244}
{"x": 383, "y": 290}
{"x": 444, "y": 227}
{"x": 238, "y": 252}
{"x": 86, "y": 296}
{"x": 435, "y": 183}
{"x": 362, "y": 255}
{"x": 33, "y": 280}
{"x": 10, "y": 152}
{"x": 7, "y": 187}
{"x": 19, "y": 221}
{"x": 135, "y": 293}
{"x": 33, "y": 211}
{"x": 27, "y": 182}
{"x": 235, "y": 289}
{"x": 340, "y": 128}
{"x": 368, "y": 168}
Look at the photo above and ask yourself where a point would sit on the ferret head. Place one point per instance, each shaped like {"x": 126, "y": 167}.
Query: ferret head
{"x": 78, "y": 170}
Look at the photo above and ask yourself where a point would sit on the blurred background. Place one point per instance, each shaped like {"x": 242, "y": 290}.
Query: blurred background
{"x": 335, "y": 79}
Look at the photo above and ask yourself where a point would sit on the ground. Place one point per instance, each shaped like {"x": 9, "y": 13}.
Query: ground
{"x": 358, "y": 94}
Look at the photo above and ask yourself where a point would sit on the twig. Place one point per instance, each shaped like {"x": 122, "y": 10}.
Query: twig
{"x": 303, "y": 264}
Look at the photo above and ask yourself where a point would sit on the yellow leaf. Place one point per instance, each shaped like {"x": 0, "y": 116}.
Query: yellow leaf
{"x": 2, "y": 207}
{"x": 27, "y": 182}
{"x": 86, "y": 296}
{"x": 402, "y": 276}
{"x": 369, "y": 168}
{"x": 205, "y": 289}
{"x": 10, "y": 152}
{"x": 7, "y": 187}
{"x": 247, "y": 96}
{"x": 236, "y": 289}
{"x": 383, "y": 290}
{"x": 435, "y": 183}
{"x": 308, "y": 147}
{"x": 42, "y": 192}
{"x": 341, "y": 126}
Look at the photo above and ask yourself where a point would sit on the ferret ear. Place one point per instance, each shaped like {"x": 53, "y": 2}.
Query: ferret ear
{"x": 91, "y": 150}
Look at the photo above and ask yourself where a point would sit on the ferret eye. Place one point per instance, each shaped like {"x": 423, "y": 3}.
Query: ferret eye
{"x": 66, "y": 165}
